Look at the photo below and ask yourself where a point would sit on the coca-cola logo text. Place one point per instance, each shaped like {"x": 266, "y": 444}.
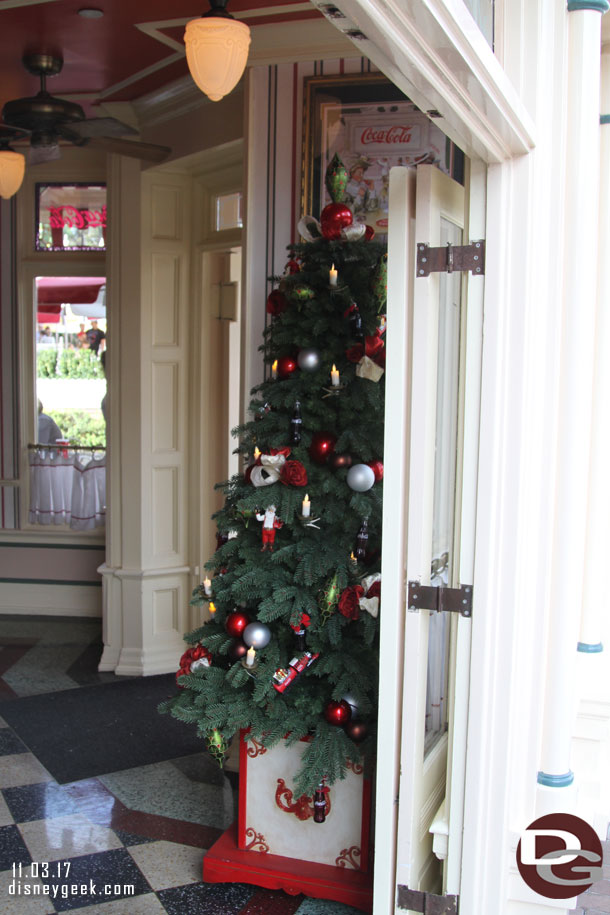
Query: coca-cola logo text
{"x": 387, "y": 135}
{"x": 80, "y": 219}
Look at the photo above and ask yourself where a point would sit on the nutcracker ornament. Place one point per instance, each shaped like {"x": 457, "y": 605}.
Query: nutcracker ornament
{"x": 271, "y": 523}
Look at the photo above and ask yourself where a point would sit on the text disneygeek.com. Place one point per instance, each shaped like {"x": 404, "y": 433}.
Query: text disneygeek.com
{"x": 60, "y": 870}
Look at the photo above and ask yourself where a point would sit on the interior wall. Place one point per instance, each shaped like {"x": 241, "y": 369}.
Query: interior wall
{"x": 9, "y": 412}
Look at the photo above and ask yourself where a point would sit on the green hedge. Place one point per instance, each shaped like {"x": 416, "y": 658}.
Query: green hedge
{"x": 46, "y": 360}
{"x": 68, "y": 363}
{"x": 80, "y": 427}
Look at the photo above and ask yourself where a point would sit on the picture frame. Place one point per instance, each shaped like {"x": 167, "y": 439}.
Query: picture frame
{"x": 372, "y": 126}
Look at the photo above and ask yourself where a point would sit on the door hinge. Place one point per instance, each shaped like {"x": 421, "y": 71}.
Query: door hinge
{"x": 451, "y": 600}
{"x": 451, "y": 258}
{"x": 427, "y": 903}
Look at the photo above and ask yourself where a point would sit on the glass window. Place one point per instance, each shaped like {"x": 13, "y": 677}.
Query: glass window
{"x": 70, "y": 359}
{"x": 483, "y": 13}
{"x": 228, "y": 212}
{"x": 70, "y": 217}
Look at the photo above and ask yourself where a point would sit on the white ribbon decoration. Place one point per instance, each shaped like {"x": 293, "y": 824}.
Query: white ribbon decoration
{"x": 275, "y": 461}
{"x": 268, "y": 472}
{"x": 310, "y": 229}
{"x": 264, "y": 476}
{"x": 370, "y": 604}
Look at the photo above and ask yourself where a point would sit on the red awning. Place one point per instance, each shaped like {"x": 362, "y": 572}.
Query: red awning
{"x": 50, "y": 315}
{"x": 60, "y": 290}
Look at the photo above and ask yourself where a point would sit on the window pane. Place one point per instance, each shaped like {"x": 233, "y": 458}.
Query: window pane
{"x": 228, "y": 212}
{"x": 70, "y": 354}
{"x": 445, "y": 470}
{"x": 70, "y": 217}
{"x": 483, "y": 13}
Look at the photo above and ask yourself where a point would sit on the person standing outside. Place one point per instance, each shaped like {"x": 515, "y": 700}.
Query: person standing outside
{"x": 95, "y": 337}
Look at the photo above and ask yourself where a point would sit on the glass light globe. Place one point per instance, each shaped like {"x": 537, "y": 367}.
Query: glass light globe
{"x": 216, "y": 53}
{"x": 12, "y": 170}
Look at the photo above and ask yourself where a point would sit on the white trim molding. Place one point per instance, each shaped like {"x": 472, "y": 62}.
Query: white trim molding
{"x": 434, "y": 51}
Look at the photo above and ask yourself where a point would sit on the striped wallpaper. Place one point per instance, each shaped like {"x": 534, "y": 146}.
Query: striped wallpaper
{"x": 9, "y": 410}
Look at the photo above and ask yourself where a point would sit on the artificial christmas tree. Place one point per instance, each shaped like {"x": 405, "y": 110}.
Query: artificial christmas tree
{"x": 293, "y": 643}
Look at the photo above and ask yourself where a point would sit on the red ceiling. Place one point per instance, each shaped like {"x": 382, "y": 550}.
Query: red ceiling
{"x": 101, "y": 53}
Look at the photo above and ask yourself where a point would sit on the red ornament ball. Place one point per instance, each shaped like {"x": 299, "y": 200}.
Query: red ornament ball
{"x": 322, "y": 445}
{"x": 337, "y": 461}
{"x": 286, "y": 366}
{"x": 356, "y": 730}
{"x": 338, "y": 713}
{"x": 335, "y": 216}
{"x": 236, "y": 622}
{"x": 377, "y": 468}
{"x": 276, "y": 303}
{"x": 237, "y": 650}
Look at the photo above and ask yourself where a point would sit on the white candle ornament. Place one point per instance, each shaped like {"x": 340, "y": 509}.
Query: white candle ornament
{"x": 334, "y": 376}
{"x": 306, "y": 508}
{"x": 250, "y": 655}
{"x": 207, "y": 587}
{"x": 332, "y": 276}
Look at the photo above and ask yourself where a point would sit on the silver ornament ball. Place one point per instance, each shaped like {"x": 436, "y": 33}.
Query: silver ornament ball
{"x": 360, "y": 477}
{"x": 309, "y": 360}
{"x": 256, "y": 635}
{"x": 353, "y": 704}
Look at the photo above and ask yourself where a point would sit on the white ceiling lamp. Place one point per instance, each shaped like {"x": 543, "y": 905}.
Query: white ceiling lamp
{"x": 216, "y": 50}
{"x": 12, "y": 164}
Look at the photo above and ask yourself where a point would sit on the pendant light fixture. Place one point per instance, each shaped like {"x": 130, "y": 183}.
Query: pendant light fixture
{"x": 12, "y": 164}
{"x": 216, "y": 50}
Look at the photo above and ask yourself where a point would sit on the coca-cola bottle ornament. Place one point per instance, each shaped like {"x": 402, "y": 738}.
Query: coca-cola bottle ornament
{"x": 295, "y": 424}
{"x": 355, "y": 322}
{"x": 319, "y": 804}
{"x": 299, "y": 631}
{"x": 362, "y": 540}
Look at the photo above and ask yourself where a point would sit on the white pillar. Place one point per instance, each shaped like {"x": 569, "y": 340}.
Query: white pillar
{"x": 147, "y": 576}
{"x": 577, "y": 315}
{"x": 595, "y": 599}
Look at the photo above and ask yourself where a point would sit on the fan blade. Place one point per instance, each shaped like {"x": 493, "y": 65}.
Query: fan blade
{"x": 36, "y": 155}
{"x": 102, "y": 127}
{"x": 148, "y": 151}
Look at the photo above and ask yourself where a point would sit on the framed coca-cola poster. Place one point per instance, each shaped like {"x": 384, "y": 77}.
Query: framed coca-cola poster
{"x": 70, "y": 217}
{"x": 372, "y": 126}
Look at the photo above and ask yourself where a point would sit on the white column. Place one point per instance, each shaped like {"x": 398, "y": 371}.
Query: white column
{"x": 577, "y": 317}
{"x": 147, "y": 576}
{"x": 598, "y": 533}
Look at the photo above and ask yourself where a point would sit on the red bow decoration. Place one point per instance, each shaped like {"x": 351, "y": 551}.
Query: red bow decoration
{"x": 191, "y": 654}
{"x": 304, "y": 623}
{"x": 293, "y": 473}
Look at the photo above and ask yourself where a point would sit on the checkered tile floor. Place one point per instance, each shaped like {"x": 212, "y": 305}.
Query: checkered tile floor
{"x": 121, "y": 844}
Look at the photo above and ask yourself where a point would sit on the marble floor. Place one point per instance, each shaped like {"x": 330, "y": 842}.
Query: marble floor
{"x": 124, "y": 843}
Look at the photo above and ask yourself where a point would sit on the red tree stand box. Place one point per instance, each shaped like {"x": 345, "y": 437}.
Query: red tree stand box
{"x": 277, "y": 844}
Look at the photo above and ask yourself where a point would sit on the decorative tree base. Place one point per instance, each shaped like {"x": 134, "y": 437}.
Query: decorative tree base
{"x": 226, "y": 863}
{"x": 278, "y": 844}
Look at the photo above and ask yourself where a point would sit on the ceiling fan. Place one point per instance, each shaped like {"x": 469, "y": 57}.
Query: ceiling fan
{"x": 48, "y": 119}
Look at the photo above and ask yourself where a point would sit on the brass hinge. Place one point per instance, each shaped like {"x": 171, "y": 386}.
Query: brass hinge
{"x": 427, "y": 903}
{"x": 451, "y": 258}
{"x": 450, "y": 600}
